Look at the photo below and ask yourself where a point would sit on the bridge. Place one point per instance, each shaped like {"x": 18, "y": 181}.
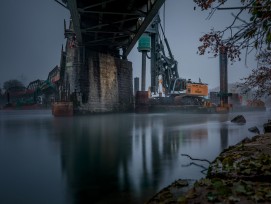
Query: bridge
{"x": 97, "y": 77}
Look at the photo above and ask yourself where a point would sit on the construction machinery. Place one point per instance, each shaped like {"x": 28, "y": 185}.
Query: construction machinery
{"x": 166, "y": 85}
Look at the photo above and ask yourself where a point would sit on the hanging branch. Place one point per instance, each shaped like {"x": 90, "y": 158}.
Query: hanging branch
{"x": 205, "y": 160}
{"x": 251, "y": 34}
{"x": 201, "y": 166}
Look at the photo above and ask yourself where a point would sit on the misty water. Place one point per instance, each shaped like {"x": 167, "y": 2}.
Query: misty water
{"x": 114, "y": 158}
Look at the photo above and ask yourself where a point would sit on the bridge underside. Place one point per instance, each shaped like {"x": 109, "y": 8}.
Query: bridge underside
{"x": 97, "y": 75}
{"x": 111, "y": 25}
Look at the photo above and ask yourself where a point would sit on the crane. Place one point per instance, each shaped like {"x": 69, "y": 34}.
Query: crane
{"x": 164, "y": 70}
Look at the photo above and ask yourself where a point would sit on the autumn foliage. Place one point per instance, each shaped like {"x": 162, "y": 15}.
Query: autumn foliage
{"x": 243, "y": 35}
{"x": 261, "y": 77}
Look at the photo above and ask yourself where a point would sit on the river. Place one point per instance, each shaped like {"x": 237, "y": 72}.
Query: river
{"x": 111, "y": 158}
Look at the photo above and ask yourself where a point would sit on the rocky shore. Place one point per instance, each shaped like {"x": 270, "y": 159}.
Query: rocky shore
{"x": 240, "y": 174}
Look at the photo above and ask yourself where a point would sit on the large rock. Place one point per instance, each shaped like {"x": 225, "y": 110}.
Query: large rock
{"x": 239, "y": 119}
{"x": 267, "y": 127}
{"x": 254, "y": 129}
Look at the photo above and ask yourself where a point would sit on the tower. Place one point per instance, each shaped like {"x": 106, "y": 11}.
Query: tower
{"x": 144, "y": 46}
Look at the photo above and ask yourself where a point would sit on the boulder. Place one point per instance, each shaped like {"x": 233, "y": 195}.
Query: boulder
{"x": 254, "y": 129}
{"x": 267, "y": 127}
{"x": 239, "y": 119}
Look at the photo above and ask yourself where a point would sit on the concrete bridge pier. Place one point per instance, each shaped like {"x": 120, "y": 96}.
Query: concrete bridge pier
{"x": 95, "y": 78}
{"x": 96, "y": 82}
{"x": 105, "y": 84}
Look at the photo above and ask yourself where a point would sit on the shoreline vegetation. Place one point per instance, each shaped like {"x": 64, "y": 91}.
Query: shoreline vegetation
{"x": 240, "y": 174}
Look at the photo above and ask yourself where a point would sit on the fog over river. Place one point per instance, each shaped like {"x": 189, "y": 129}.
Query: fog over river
{"x": 112, "y": 158}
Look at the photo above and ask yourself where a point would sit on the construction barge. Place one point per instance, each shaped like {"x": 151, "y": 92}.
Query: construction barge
{"x": 168, "y": 91}
{"x": 187, "y": 104}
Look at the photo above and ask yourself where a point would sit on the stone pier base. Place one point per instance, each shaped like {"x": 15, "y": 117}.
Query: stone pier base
{"x": 107, "y": 85}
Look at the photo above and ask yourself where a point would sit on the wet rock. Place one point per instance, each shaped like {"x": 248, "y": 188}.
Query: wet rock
{"x": 240, "y": 119}
{"x": 173, "y": 192}
{"x": 248, "y": 160}
{"x": 240, "y": 174}
{"x": 254, "y": 129}
{"x": 267, "y": 127}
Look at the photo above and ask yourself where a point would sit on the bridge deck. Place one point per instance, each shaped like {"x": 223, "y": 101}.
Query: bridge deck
{"x": 110, "y": 25}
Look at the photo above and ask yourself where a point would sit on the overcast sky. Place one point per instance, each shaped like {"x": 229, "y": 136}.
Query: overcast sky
{"x": 32, "y": 34}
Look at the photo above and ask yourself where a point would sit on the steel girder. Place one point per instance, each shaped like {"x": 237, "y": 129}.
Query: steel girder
{"x": 111, "y": 25}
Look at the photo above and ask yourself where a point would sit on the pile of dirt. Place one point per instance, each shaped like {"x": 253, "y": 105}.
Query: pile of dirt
{"x": 240, "y": 174}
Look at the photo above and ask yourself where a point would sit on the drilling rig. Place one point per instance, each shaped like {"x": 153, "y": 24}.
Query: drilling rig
{"x": 166, "y": 86}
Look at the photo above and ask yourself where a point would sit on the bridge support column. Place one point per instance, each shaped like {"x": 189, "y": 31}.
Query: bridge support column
{"x": 223, "y": 63}
{"x": 110, "y": 87}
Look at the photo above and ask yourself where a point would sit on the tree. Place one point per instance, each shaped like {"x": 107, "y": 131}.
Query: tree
{"x": 261, "y": 77}
{"x": 248, "y": 35}
{"x": 13, "y": 85}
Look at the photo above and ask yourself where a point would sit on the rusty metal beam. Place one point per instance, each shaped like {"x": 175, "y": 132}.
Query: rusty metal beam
{"x": 76, "y": 19}
{"x": 155, "y": 8}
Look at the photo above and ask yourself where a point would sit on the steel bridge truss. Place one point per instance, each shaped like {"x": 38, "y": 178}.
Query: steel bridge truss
{"x": 111, "y": 25}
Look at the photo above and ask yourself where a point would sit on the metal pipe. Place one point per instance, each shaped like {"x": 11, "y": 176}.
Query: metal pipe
{"x": 153, "y": 63}
{"x": 223, "y": 61}
{"x": 143, "y": 73}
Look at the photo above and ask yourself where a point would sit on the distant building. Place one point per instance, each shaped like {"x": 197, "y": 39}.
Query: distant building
{"x": 50, "y": 86}
{"x": 34, "y": 85}
{"x": 38, "y": 91}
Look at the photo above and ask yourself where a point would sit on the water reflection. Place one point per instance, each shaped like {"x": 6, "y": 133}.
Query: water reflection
{"x": 93, "y": 149}
{"x": 122, "y": 158}
{"x": 29, "y": 159}
{"x": 224, "y": 132}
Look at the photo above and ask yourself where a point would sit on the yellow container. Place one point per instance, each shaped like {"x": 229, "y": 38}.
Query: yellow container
{"x": 197, "y": 89}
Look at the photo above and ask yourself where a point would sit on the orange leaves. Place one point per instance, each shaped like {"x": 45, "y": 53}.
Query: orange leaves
{"x": 211, "y": 40}
{"x": 206, "y": 4}
{"x": 214, "y": 44}
{"x": 254, "y": 33}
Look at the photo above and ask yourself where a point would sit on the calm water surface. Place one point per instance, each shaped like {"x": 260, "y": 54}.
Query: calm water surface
{"x": 120, "y": 158}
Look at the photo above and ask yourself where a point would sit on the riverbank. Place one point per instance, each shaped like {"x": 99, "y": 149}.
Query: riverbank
{"x": 241, "y": 173}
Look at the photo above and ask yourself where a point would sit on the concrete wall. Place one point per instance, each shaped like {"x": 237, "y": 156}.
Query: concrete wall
{"x": 109, "y": 87}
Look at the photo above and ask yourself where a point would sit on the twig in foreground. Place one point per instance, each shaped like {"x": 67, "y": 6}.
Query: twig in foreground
{"x": 196, "y": 159}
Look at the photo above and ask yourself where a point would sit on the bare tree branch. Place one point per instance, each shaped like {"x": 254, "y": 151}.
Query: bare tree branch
{"x": 205, "y": 160}
{"x": 248, "y": 35}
